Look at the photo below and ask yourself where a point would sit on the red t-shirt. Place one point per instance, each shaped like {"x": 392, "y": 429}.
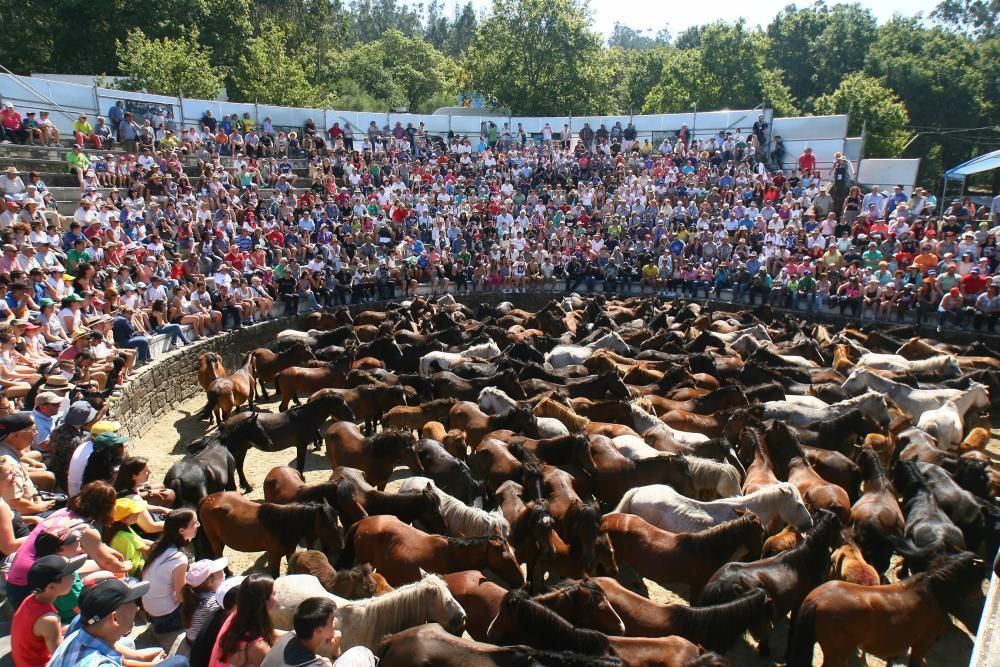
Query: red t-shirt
{"x": 807, "y": 161}
{"x": 28, "y": 649}
{"x": 973, "y": 283}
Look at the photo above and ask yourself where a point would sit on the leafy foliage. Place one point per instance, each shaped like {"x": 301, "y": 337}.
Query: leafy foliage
{"x": 179, "y": 66}
{"x": 871, "y": 106}
{"x": 538, "y": 57}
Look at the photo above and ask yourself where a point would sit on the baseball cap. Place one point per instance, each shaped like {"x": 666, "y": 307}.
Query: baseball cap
{"x": 201, "y": 570}
{"x": 125, "y": 507}
{"x": 104, "y": 426}
{"x": 14, "y": 423}
{"x": 108, "y": 440}
{"x": 49, "y": 569}
{"x": 226, "y": 586}
{"x": 47, "y": 398}
{"x": 97, "y": 602}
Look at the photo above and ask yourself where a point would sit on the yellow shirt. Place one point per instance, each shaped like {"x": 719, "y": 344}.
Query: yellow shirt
{"x": 83, "y": 127}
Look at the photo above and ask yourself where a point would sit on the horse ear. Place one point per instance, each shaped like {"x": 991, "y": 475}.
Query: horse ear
{"x": 423, "y": 573}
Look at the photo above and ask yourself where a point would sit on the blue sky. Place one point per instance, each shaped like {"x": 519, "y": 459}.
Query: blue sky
{"x": 654, "y": 14}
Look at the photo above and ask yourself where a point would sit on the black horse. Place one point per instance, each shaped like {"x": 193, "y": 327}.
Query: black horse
{"x": 274, "y": 432}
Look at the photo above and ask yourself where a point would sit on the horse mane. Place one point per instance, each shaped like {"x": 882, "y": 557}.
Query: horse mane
{"x": 385, "y": 443}
{"x": 397, "y": 610}
{"x": 909, "y": 481}
{"x": 464, "y": 519}
{"x": 871, "y": 466}
{"x": 950, "y": 577}
{"x": 721, "y": 624}
{"x": 593, "y": 592}
{"x": 479, "y": 540}
{"x": 288, "y": 524}
{"x": 437, "y": 403}
{"x": 816, "y": 543}
{"x": 201, "y": 444}
{"x": 565, "y": 658}
{"x": 321, "y": 491}
{"x": 525, "y": 522}
{"x": 557, "y": 630}
{"x": 715, "y": 541}
{"x": 708, "y": 472}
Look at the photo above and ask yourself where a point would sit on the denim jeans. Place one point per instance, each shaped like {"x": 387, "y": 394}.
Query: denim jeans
{"x": 174, "y": 331}
{"x": 141, "y": 345}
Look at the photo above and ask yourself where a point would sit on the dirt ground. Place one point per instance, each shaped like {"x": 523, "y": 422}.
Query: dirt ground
{"x": 165, "y": 443}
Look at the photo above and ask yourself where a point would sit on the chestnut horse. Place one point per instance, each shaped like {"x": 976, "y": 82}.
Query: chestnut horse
{"x": 375, "y": 455}
{"x": 717, "y": 627}
{"x": 581, "y": 602}
{"x": 691, "y": 558}
{"x": 883, "y": 620}
{"x": 400, "y": 551}
{"x": 361, "y": 581}
{"x": 268, "y": 363}
{"x": 229, "y": 519}
{"x": 210, "y": 368}
{"x": 226, "y": 394}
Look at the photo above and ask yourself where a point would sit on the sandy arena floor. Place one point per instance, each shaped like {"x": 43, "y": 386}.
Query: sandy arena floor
{"x": 165, "y": 443}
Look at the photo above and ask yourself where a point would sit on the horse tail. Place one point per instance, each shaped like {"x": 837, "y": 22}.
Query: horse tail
{"x": 626, "y": 501}
{"x": 802, "y": 637}
{"x": 277, "y": 385}
{"x": 213, "y": 400}
{"x": 174, "y": 484}
{"x": 916, "y": 557}
{"x": 346, "y": 557}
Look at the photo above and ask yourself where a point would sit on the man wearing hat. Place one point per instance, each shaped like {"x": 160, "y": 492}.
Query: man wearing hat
{"x": 17, "y": 431}
{"x": 47, "y": 406}
{"x": 102, "y": 440}
{"x": 35, "y": 631}
{"x": 67, "y": 437}
{"x": 107, "y": 614}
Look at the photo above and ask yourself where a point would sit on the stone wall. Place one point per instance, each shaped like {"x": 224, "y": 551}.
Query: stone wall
{"x": 174, "y": 377}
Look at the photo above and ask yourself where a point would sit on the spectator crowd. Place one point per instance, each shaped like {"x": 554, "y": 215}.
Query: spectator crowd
{"x": 368, "y": 215}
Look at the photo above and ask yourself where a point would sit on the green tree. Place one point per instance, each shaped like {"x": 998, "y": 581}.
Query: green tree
{"x": 165, "y": 66}
{"x": 463, "y": 30}
{"x": 635, "y": 74}
{"x": 872, "y": 106}
{"x": 975, "y": 18}
{"x": 540, "y": 57}
{"x": 624, "y": 37}
{"x": 727, "y": 70}
{"x": 270, "y": 72}
{"x": 403, "y": 71}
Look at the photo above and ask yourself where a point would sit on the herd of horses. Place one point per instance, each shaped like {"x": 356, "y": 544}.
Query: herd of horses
{"x": 553, "y": 463}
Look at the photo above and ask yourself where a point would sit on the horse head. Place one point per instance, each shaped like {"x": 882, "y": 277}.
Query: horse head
{"x": 325, "y": 529}
{"x": 445, "y": 609}
{"x": 791, "y": 509}
{"x": 501, "y": 559}
{"x": 428, "y": 504}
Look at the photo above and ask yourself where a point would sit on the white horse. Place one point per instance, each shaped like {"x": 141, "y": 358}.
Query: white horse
{"x": 442, "y": 361}
{"x": 462, "y": 520}
{"x": 567, "y": 355}
{"x": 871, "y": 403}
{"x": 806, "y": 401}
{"x": 663, "y": 507}
{"x": 643, "y": 421}
{"x": 757, "y": 332}
{"x": 947, "y": 423}
{"x": 307, "y": 337}
{"x": 366, "y": 622}
{"x": 914, "y": 402}
{"x": 494, "y": 401}
{"x": 944, "y": 365}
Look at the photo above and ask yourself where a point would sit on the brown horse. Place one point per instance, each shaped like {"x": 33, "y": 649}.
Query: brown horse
{"x": 369, "y": 402}
{"x": 226, "y": 394}
{"x": 467, "y": 416}
{"x": 361, "y": 581}
{"x": 452, "y": 439}
{"x": 522, "y": 619}
{"x": 290, "y": 382}
{"x": 229, "y": 519}
{"x": 268, "y": 363}
{"x": 430, "y": 644}
{"x": 581, "y": 602}
{"x": 690, "y": 558}
{"x": 787, "y": 577}
{"x": 416, "y": 416}
{"x": 848, "y": 564}
{"x": 356, "y": 499}
{"x": 876, "y": 517}
{"x": 883, "y": 620}
{"x": 717, "y": 627}
{"x": 375, "y": 455}
{"x": 210, "y": 368}
{"x": 788, "y": 538}
{"x": 616, "y": 473}
{"x": 400, "y": 551}
{"x": 790, "y": 462}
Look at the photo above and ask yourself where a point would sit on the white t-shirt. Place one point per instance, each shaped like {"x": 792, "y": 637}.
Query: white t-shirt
{"x": 160, "y": 600}
{"x": 77, "y": 464}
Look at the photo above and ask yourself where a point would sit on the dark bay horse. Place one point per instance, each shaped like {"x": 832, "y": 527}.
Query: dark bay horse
{"x": 268, "y": 363}
{"x": 229, "y": 519}
{"x": 295, "y": 428}
{"x": 358, "y": 582}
